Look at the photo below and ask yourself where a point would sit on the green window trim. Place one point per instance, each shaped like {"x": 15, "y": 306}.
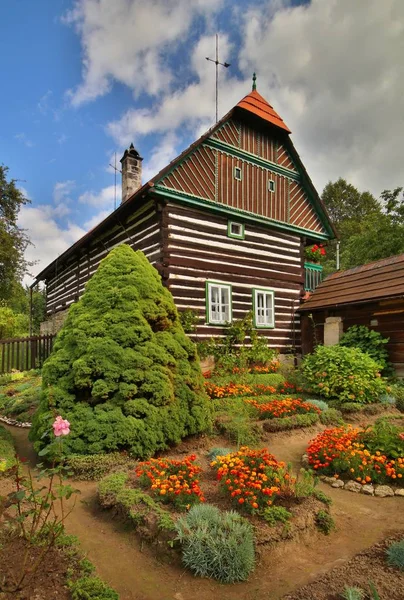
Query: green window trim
{"x": 236, "y": 236}
{"x": 210, "y": 304}
{"x": 265, "y": 292}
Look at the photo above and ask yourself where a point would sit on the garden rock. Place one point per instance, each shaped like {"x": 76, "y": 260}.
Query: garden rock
{"x": 337, "y": 483}
{"x": 353, "y": 486}
{"x": 383, "y": 490}
{"x": 305, "y": 461}
{"x": 329, "y": 480}
{"x": 399, "y": 492}
{"x": 367, "y": 489}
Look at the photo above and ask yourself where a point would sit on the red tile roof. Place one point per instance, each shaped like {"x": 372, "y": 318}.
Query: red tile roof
{"x": 257, "y": 105}
{"x": 368, "y": 283}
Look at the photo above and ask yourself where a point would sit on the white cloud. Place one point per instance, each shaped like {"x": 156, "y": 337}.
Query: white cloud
{"x": 48, "y": 239}
{"x": 43, "y": 104}
{"x": 62, "y": 191}
{"x": 127, "y": 41}
{"x": 192, "y": 105}
{"x": 22, "y": 137}
{"x": 335, "y": 74}
{"x": 62, "y": 138}
{"x": 96, "y": 219}
{"x": 163, "y": 154}
{"x": 104, "y": 197}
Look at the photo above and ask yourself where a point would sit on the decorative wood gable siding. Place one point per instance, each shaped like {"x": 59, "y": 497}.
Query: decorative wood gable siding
{"x": 208, "y": 173}
{"x": 141, "y": 230}
{"x": 197, "y": 249}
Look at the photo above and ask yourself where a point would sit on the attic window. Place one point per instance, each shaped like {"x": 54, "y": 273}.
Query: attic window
{"x": 271, "y": 185}
{"x": 235, "y": 230}
{"x": 237, "y": 173}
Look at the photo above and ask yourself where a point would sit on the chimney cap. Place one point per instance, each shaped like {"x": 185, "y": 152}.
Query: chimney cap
{"x": 131, "y": 151}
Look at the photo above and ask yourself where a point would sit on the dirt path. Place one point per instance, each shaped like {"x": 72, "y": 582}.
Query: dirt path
{"x": 136, "y": 574}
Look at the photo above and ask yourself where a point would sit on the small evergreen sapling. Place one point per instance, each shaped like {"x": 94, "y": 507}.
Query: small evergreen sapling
{"x": 122, "y": 371}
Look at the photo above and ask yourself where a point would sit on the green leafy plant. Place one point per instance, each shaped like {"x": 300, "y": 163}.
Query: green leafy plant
{"x": 384, "y": 437}
{"x": 353, "y": 593}
{"x": 395, "y": 555}
{"x": 323, "y": 406}
{"x": 343, "y": 373}
{"x": 276, "y": 514}
{"x": 189, "y": 320}
{"x": 216, "y": 544}
{"x": 331, "y": 417}
{"x": 351, "y": 407}
{"x": 95, "y": 466}
{"x": 371, "y": 342}
{"x": 325, "y": 522}
{"x": 319, "y": 494}
{"x": 122, "y": 370}
{"x": 7, "y": 451}
{"x": 234, "y": 422}
{"x": 305, "y": 484}
{"x": 294, "y": 422}
{"x": 91, "y": 588}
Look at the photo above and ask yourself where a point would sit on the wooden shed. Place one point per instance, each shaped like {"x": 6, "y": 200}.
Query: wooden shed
{"x": 371, "y": 295}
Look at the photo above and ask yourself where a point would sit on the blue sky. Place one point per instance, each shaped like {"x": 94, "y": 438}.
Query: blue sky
{"x": 85, "y": 78}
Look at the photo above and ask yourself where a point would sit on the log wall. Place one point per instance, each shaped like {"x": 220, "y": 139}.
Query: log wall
{"x": 198, "y": 249}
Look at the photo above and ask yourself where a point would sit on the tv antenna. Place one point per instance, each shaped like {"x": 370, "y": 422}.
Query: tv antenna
{"x": 217, "y": 63}
{"x": 116, "y": 170}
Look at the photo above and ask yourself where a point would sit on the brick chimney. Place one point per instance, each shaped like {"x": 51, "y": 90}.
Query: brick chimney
{"x": 131, "y": 172}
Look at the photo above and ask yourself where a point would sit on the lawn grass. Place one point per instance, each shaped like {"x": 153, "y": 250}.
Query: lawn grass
{"x": 20, "y": 395}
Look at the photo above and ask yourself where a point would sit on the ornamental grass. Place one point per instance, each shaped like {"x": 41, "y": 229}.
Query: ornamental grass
{"x": 371, "y": 455}
{"x": 251, "y": 478}
{"x": 285, "y": 407}
{"x": 172, "y": 481}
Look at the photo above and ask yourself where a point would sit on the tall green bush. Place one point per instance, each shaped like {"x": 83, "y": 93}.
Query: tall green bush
{"x": 346, "y": 374}
{"x": 371, "y": 342}
{"x": 122, "y": 371}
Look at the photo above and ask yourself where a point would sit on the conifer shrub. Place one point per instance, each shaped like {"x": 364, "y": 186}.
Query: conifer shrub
{"x": 122, "y": 371}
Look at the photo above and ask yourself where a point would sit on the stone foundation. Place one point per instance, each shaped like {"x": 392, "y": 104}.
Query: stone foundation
{"x": 54, "y": 322}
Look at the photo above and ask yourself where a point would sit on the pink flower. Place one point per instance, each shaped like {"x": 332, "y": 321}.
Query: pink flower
{"x": 401, "y": 436}
{"x": 61, "y": 427}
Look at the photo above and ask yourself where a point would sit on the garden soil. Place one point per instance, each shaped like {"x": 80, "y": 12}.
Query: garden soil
{"x": 130, "y": 567}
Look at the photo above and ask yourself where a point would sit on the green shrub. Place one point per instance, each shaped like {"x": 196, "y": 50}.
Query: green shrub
{"x": 331, "y": 417}
{"x": 305, "y": 484}
{"x": 353, "y": 593}
{"x": 325, "y": 522}
{"x": 343, "y": 373}
{"x": 351, "y": 407}
{"x": 286, "y": 423}
{"x": 371, "y": 342}
{"x": 122, "y": 370}
{"x": 7, "y": 451}
{"x": 95, "y": 466}
{"x": 395, "y": 555}
{"x": 233, "y": 420}
{"x": 276, "y": 514}
{"x": 323, "y": 406}
{"x": 133, "y": 504}
{"x": 397, "y": 391}
{"x": 384, "y": 437}
{"x": 319, "y": 494}
{"x": 92, "y": 588}
{"x": 215, "y": 452}
{"x": 216, "y": 544}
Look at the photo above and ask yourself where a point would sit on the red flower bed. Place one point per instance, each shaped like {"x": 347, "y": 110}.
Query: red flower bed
{"x": 343, "y": 452}
{"x": 286, "y": 407}
{"x": 289, "y": 388}
{"x": 172, "y": 480}
{"x": 252, "y": 478}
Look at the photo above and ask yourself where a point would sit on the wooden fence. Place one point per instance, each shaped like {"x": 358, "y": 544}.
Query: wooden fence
{"x": 25, "y": 353}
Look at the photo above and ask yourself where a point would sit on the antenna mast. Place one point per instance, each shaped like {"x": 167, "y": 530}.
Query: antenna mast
{"x": 217, "y": 63}
{"x": 115, "y": 172}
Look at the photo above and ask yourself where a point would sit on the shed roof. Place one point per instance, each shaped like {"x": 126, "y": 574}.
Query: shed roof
{"x": 371, "y": 282}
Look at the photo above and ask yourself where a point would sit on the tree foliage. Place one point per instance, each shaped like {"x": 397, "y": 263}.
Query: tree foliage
{"x": 368, "y": 229}
{"x": 123, "y": 372}
{"x": 13, "y": 240}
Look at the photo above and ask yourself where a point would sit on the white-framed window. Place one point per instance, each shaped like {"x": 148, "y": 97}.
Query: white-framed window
{"x": 271, "y": 185}
{"x": 264, "y": 308}
{"x": 218, "y": 303}
{"x": 235, "y": 230}
{"x": 237, "y": 173}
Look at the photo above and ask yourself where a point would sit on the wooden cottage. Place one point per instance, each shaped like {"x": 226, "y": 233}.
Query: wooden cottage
{"x": 225, "y": 225}
{"x": 371, "y": 295}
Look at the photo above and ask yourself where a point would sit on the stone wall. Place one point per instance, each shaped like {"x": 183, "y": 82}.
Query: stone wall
{"x": 54, "y": 322}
